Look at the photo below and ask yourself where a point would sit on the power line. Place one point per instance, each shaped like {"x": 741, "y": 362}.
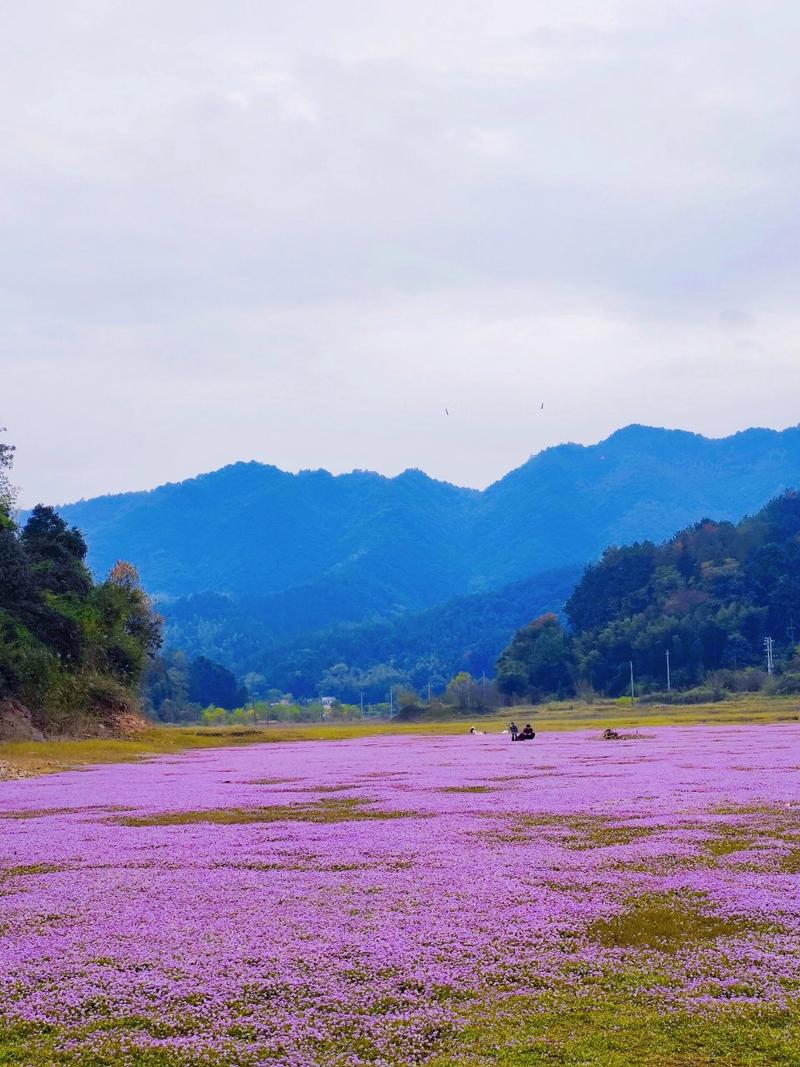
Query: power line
{"x": 768, "y": 648}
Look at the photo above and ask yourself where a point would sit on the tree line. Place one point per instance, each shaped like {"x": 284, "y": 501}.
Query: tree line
{"x": 710, "y": 597}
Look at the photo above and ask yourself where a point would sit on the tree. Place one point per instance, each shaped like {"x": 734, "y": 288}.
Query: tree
{"x": 538, "y": 662}
{"x": 211, "y": 683}
{"x": 459, "y": 691}
{"x": 7, "y": 491}
{"x": 128, "y": 629}
{"x": 56, "y": 553}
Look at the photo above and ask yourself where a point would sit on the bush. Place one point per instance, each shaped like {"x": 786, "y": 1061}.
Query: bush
{"x": 409, "y": 713}
{"x": 699, "y": 695}
{"x": 751, "y": 680}
{"x": 784, "y": 685}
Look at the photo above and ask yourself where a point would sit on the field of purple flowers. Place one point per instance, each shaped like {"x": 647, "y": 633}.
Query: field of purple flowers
{"x": 425, "y": 900}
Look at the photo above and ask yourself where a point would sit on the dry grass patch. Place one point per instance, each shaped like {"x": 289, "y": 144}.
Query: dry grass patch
{"x": 26, "y": 870}
{"x": 577, "y": 832}
{"x": 273, "y": 781}
{"x": 349, "y": 809}
{"x": 466, "y": 789}
{"x": 589, "y": 831}
{"x": 789, "y": 863}
{"x": 46, "y": 813}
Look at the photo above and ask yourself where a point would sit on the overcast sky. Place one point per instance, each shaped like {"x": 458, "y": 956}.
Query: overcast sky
{"x": 298, "y": 231}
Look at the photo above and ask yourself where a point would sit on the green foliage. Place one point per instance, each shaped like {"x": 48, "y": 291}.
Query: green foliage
{"x": 7, "y": 492}
{"x": 709, "y": 597}
{"x": 176, "y": 688}
{"x": 68, "y": 645}
{"x": 211, "y": 683}
{"x": 407, "y": 650}
{"x": 538, "y": 662}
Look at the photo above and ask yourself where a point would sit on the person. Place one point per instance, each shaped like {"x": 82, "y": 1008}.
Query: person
{"x": 513, "y": 729}
{"x": 472, "y": 730}
{"x": 527, "y": 734}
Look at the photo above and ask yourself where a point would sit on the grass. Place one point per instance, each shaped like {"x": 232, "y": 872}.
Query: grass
{"x": 580, "y": 831}
{"x": 322, "y": 811}
{"x": 466, "y": 789}
{"x": 30, "y": 757}
{"x": 610, "y": 1027}
{"x": 664, "y": 921}
{"x": 25, "y": 870}
{"x": 618, "y": 1019}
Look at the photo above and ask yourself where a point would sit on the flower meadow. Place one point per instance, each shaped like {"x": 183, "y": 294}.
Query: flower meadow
{"x": 410, "y": 900}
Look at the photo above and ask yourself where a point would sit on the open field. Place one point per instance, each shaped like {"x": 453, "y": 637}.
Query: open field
{"x": 58, "y": 755}
{"x": 428, "y": 898}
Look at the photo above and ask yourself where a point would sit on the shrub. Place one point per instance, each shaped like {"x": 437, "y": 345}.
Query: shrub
{"x": 785, "y": 685}
{"x": 698, "y": 695}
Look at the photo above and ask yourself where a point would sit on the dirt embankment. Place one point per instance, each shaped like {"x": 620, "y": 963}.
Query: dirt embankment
{"x": 19, "y": 724}
{"x": 16, "y": 723}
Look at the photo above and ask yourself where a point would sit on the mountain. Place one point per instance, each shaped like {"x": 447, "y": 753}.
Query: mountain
{"x": 467, "y": 633}
{"x": 253, "y": 530}
{"x": 346, "y": 548}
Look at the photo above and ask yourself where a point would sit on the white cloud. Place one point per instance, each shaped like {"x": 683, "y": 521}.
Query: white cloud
{"x": 295, "y": 231}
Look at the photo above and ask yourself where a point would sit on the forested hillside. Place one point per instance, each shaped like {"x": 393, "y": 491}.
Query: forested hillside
{"x": 710, "y": 596}
{"x": 71, "y": 649}
{"x": 346, "y": 659}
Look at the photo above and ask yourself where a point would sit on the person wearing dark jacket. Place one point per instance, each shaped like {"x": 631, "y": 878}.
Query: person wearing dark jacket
{"x": 527, "y": 734}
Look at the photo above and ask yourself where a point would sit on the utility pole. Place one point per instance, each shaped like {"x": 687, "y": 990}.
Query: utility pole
{"x": 391, "y": 701}
{"x": 429, "y": 692}
{"x": 362, "y": 703}
{"x": 669, "y": 681}
{"x": 633, "y": 692}
{"x": 768, "y": 647}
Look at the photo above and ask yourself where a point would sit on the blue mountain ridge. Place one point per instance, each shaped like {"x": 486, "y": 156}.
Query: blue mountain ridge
{"x": 357, "y": 544}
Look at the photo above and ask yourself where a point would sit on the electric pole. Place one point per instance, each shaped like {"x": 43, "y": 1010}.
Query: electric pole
{"x": 391, "y": 701}
{"x": 633, "y": 692}
{"x": 669, "y": 682}
{"x": 362, "y": 703}
{"x": 429, "y": 692}
{"x": 768, "y": 647}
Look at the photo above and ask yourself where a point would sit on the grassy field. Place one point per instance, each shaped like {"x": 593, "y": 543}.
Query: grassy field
{"x": 27, "y": 758}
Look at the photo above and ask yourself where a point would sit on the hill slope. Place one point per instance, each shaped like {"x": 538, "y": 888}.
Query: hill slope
{"x": 364, "y": 543}
{"x": 708, "y": 598}
{"x": 467, "y": 633}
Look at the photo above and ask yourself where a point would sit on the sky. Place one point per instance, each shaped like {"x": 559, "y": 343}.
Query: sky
{"x": 301, "y": 232}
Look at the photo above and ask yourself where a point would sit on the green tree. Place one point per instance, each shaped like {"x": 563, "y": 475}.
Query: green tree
{"x": 460, "y": 690}
{"x": 211, "y": 683}
{"x": 539, "y": 661}
{"x": 56, "y": 553}
{"x": 7, "y": 492}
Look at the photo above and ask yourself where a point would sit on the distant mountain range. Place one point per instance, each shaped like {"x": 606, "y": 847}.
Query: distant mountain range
{"x": 304, "y": 552}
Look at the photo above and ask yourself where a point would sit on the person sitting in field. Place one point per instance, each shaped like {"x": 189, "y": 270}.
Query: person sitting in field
{"x": 472, "y": 730}
{"x": 513, "y": 729}
{"x": 527, "y": 734}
